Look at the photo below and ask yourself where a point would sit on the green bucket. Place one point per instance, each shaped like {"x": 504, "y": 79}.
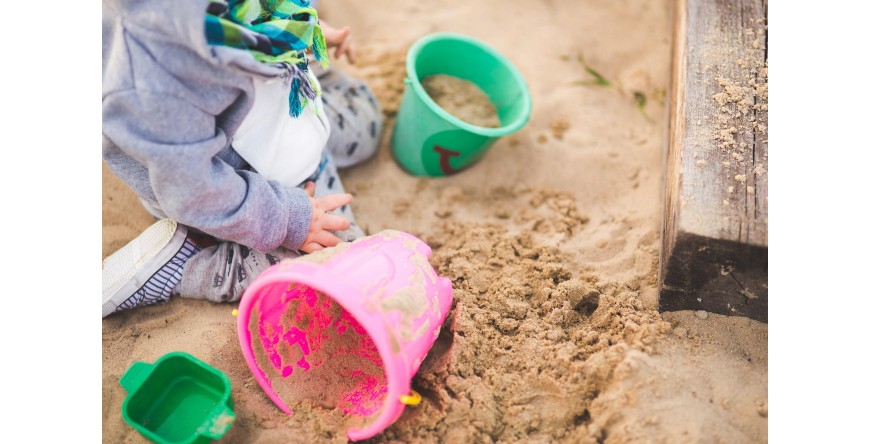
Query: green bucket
{"x": 177, "y": 400}
{"x": 427, "y": 140}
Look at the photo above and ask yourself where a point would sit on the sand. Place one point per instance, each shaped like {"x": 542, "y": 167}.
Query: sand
{"x": 462, "y": 99}
{"x": 551, "y": 241}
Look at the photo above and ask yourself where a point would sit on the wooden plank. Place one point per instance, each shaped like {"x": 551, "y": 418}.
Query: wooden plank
{"x": 714, "y": 240}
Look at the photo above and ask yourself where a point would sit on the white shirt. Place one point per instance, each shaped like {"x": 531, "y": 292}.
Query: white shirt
{"x": 278, "y": 146}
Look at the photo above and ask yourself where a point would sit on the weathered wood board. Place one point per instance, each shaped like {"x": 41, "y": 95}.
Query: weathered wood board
{"x": 714, "y": 240}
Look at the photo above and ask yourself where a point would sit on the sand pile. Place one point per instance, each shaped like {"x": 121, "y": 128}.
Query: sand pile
{"x": 515, "y": 362}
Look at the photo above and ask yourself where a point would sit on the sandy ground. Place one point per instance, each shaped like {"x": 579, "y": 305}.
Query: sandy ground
{"x": 551, "y": 240}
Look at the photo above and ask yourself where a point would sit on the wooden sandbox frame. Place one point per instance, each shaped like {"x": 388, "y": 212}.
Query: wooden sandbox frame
{"x": 714, "y": 228}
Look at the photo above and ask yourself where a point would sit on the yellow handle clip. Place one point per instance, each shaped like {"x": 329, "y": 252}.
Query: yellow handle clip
{"x": 413, "y": 399}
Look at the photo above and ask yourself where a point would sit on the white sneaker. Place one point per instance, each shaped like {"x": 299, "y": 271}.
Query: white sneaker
{"x": 152, "y": 257}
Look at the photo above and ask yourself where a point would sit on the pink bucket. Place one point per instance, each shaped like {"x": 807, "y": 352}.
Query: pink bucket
{"x": 346, "y": 327}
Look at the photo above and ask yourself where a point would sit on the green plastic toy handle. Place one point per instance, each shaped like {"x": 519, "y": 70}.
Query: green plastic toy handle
{"x": 135, "y": 375}
{"x": 222, "y": 418}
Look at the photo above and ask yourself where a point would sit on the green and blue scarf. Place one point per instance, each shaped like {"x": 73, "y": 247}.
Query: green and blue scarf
{"x": 274, "y": 32}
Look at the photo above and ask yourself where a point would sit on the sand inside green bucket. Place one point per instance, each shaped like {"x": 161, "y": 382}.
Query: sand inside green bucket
{"x": 462, "y": 99}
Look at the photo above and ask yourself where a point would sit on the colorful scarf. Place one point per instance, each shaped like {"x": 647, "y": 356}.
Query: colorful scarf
{"x": 275, "y": 32}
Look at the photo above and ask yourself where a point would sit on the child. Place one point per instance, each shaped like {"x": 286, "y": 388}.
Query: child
{"x": 212, "y": 115}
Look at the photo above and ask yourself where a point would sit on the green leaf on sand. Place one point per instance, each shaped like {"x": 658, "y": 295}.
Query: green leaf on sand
{"x": 598, "y": 80}
{"x": 640, "y": 101}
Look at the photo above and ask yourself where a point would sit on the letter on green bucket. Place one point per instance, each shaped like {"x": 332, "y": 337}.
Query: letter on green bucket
{"x": 443, "y": 152}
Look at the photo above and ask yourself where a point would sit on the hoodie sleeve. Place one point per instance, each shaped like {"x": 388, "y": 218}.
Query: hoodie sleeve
{"x": 179, "y": 143}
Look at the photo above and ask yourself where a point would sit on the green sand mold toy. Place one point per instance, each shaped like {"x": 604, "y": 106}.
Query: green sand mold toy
{"x": 429, "y": 141}
{"x": 177, "y": 400}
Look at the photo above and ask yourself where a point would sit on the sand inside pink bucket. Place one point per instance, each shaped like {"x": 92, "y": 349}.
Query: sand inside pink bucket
{"x": 319, "y": 356}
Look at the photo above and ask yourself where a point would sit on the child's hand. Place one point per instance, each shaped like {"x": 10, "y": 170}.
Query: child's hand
{"x": 318, "y": 237}
{"x": 339, "y": 39}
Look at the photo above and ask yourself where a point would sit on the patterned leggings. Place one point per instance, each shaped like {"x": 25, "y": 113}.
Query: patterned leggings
{"x": 221, "y": 272}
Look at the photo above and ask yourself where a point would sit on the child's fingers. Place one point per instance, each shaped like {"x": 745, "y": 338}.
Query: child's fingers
{"x": 335, "y": 38}
{"x": 347, "y": 49}
{"x": 325, "y": 238}
{"x": 309, "y": 188}
{"x": 334, "y": 222}
{"x": 311, "y": 247}
{"x": 333, "y": 201}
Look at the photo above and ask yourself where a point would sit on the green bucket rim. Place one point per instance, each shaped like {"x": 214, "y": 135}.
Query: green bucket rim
{"x": 483, "y": 131}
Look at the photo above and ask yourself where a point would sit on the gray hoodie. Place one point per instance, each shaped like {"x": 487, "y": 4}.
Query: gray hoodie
{"x": 171, "y": 105}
